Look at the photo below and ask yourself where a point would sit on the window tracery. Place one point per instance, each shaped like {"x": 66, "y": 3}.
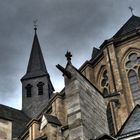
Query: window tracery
{"x": 133, "y": 68}
{"x": 105, "y": 83}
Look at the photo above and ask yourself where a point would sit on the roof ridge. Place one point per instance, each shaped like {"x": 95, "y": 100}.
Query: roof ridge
{"x": 128, "y": 27}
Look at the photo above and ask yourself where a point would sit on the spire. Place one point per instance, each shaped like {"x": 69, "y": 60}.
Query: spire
{"x": 36, "y": 66}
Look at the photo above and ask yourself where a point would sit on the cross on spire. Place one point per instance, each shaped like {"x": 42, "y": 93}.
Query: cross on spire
{"x": 131, "y": 9}
{"x": 68, "y": 55}
{"x": 35, "y": 24}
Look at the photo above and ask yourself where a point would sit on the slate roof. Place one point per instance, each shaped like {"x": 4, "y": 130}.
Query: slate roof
{"x": 36, "y": 65}
{"x": 18, "y": 118}
{"x": 132, "y": 124}
{"x": 104, "y": 137}
{"x": 132, "y": 24}
{"x": 52, "y": 119}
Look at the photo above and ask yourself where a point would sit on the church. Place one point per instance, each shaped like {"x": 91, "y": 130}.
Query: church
{"x": 99, "y": 101}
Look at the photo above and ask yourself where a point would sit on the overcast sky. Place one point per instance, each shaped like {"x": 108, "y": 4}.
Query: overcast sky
{"x": 75, "y": 25}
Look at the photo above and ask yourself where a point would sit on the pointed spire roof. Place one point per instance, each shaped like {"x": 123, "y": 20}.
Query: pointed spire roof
{"x": 132, "y": 24}
{"x": 36, "y": 66}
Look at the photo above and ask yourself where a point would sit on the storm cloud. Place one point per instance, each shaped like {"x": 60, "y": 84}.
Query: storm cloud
{"x": 75, "y": 25}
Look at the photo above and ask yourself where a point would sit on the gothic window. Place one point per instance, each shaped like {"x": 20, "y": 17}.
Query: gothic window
{"x": 29, "y": 90}
{"x": 40, "y": 88}
{"x": 133, "y": 68}
{"x": 104, "y": 83}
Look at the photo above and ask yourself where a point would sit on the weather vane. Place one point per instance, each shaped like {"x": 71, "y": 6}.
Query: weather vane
{"x": 131, "y": 9}
{"x": 35, "y": 24}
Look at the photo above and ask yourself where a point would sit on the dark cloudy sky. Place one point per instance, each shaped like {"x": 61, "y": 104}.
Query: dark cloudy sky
{"x": 75, "y": 25}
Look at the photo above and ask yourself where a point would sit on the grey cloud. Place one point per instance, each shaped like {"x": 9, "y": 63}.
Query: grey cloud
{"x": 75, "y": 25}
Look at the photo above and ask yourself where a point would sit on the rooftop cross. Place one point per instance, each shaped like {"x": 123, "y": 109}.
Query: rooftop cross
{"x": 68, "y": 56}
{"x": 35, "y": 24}
{"x": 131, "y": 9}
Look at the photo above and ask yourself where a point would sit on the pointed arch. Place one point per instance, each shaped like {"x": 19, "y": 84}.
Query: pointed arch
{"x": 101, "y": 70}
{"x": 125, "y": 54}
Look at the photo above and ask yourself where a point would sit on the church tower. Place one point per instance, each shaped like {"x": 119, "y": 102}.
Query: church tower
{"x": 37, "y": 88}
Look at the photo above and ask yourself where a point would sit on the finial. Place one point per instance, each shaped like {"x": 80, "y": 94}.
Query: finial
{"x": 35, "y": 25}
{"x": 68, "y": 56}
{"x": 131, "y": 9}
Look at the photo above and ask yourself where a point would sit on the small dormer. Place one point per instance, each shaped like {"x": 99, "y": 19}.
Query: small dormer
{"x": 49, "y": 119}
{"x": 49, "y": 126}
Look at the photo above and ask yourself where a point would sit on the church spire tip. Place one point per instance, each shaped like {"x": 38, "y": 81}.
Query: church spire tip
{"x": 35, "y": 25}
{"x": 131, "y": 9}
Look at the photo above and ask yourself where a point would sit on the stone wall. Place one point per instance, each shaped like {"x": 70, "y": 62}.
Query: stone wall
{"x": 33, "y": 105}
{"x": 5, "y": 130}
{"x": 118, "y": 53}
{"x": 86, "y": 109}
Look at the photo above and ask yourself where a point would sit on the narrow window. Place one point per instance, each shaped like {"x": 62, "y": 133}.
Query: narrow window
{"x": 40, "y": 88}
{"x": 110, "y": 120}
{"x": 28, "y": 90}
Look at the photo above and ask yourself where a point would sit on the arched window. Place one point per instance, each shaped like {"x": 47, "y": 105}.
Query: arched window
{"x": 40, "y": 88}
{"x": 29, "y": 90}
{"x": 105, "y": 83}
{"x": 133, "y": 68}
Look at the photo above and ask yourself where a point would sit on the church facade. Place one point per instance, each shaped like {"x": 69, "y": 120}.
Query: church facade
{"x": 100, "y": 100}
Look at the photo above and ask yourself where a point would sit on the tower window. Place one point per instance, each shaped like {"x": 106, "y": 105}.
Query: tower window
{"x": 40, "y": 88}
{"x": 28, "y": 90}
